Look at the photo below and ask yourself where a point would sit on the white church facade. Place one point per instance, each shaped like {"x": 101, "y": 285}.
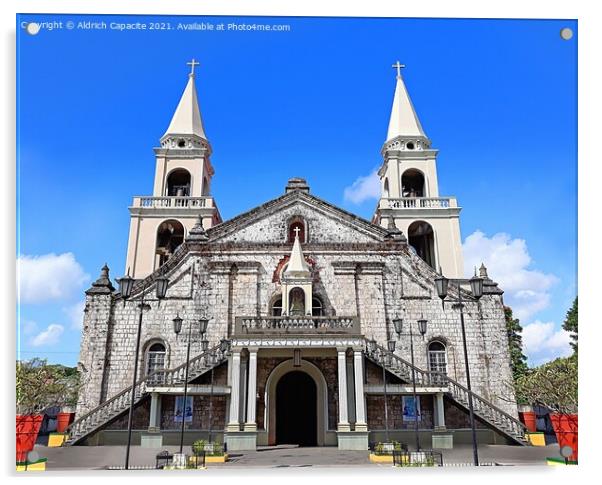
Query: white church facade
{"x": 302, "y": 300}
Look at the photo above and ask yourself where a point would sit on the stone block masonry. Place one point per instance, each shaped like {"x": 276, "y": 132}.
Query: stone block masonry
{"x": 356, "y": 271}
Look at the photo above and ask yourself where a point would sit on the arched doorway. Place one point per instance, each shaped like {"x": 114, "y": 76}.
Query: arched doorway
{"x": 296, "y": 410}
{"x": 422, "y": 238}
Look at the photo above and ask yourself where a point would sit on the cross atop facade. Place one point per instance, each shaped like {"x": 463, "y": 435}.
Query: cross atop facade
{"x": 192, "y": 64}
{"x": 296, "y": 230}
{"x": 399, "y": 67}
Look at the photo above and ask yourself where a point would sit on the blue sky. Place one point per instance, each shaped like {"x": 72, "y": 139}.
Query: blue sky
{"x": 496, "y": 97}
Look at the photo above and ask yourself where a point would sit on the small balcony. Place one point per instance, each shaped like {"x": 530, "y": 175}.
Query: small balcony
{"x": 173, "y": 202}
{"x": 419, "y": 203}
{"x": 301, "y": 325}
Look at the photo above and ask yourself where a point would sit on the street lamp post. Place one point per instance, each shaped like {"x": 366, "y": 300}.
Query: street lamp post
{"x": 126, "y": 284}
{"x": 422, "y": 323}
{"x": 177, "y": 326}
{"x": 476, "y": 285}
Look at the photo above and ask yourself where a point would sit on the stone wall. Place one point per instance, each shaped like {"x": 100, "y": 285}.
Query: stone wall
{"x": 200, "y": 413}
{"x": 375, "y": 409}
{"x": 356, "y": 271}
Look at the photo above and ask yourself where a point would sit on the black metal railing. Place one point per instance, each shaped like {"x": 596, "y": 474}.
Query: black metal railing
{"x": 417, "y": 458}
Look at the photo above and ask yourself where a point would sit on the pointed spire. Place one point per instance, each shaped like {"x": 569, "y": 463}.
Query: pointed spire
{"x": 297, "y": 266}
{"x": 403, "y": 122}
{"x": 198, "y": 233}
{"x": 187, "y": 117}
{"x": 394, "y": 232}
{"x": 103, "y": 284}
{"x": 482, "y": 271}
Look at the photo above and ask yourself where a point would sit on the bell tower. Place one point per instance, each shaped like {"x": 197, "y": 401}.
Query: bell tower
{"x": 182, "y": 189}
{"x": 410, "y": 191}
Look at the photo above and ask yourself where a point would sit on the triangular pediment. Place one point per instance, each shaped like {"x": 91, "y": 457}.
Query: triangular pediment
{"x": 268, "y": 223}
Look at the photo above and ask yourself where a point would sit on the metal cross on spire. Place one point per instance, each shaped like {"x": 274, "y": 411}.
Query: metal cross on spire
{"x": 296, "y": 230}
{"x": 399, "y": 67}
{"x": 192, "y": 63}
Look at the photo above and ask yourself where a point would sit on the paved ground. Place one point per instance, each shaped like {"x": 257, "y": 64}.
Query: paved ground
{"x": 100, "y": 457}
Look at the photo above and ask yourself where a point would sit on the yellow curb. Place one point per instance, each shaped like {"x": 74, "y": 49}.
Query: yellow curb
{"x": 55, "y": 440}
{"x": 381, "y": 458}
{"x": 536, "y": 439}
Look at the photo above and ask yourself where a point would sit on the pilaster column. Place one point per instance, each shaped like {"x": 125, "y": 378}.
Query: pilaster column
{"x": 360, "y": 403}
{"x": 155, "y": 412}
{"x": 439, "y": 411}
{"x": 343, "y": 424}
{"x": 251, "y": 424}
{"x": 234, "y": 422}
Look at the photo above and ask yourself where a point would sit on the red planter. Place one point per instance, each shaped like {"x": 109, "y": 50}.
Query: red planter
{"x": 529, "y": 419}
{"x": 28, "y": 427}
{"x": 63, "y": 420}
{"x": 566, "y": 426}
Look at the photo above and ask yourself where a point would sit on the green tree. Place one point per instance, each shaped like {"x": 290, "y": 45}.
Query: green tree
{"x": 40, "y": 385}
{"x": 518, "y": 361}
{"x": 553, "y": 385}
{"x": 571, "y": 324}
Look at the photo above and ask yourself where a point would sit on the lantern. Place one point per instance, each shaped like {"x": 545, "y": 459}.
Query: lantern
{"x": 177, "y": 324}
{"x": 162, "y": 283}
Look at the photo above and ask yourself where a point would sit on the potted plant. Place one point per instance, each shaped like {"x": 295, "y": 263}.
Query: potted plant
{"x": 554, "y": 385}
{"x": 214, "y": 451}
{"x": 528, "y": 417}
{"x": 36, "y": 388}
{"x": 68, "y": 398}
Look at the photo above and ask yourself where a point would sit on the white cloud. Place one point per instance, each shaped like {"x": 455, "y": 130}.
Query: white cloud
{"x": 76, "y": 314}
{"x": 49, "y": 277}
{"x": 542, "y": 342}
{"x": 50, "y": 336}
{"x": 507, "y": 261}
{"x": 364, "y": 188}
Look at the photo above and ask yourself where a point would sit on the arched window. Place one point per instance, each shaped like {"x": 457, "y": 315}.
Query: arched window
{"x": 296, "y": 302}
{"x": 386, "y": 188}
{"x": 437, "y": 357}
{"x": 178, "y": 183}
{"x": 317, "y": 309}
{"x": 155, "y": 360}
{"x": 276, "y": 310}
{"x": 205, "y": 187}
{"x": 298, "y": 225}
{"x": 412, "y": 183}
{"x": 422, "y": 238}
{"x": 170, "y": 235}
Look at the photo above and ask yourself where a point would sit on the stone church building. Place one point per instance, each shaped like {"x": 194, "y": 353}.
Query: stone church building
{"x": 301, "y": 299}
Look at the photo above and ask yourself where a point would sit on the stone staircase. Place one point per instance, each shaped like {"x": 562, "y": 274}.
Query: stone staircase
{"x": 501, "y": 421}
{"x": 120, "y": 403}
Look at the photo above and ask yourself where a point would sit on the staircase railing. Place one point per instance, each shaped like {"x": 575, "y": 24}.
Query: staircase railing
{"x": 164, "y": 377}
{"x": 483, "y": 408}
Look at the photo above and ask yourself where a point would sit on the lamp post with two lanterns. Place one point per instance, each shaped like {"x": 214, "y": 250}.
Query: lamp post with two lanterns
{"x": 126, "y": 284}
{"x": 476, "y": 286}
{"x": 177, "y": 327}
{"x": 422, "y": 324}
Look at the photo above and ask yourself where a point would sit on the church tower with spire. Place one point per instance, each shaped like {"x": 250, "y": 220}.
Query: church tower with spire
{"x": 410, "y": 192}
{"x": 182, "y": 189}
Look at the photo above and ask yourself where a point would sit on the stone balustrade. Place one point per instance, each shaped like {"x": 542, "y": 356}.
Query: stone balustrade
{"x": 305, "y": 325}
{"x": 420, "y": 203}
{"x": 179, "y": 202}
